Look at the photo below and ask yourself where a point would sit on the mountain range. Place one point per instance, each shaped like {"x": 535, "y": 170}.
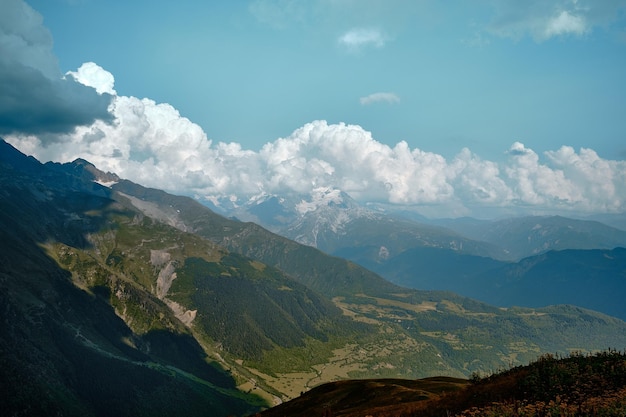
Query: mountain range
{"x": 332, "y": 221}
{"x": 529, "y": 261}
{"x": 123, "y": 300}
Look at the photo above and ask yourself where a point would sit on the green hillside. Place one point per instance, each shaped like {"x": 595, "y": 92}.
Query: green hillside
{"x": 573, "y": 386}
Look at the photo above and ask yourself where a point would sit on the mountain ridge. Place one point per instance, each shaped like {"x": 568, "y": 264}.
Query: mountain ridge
{"x": 526, "y": 236}
{"x": 63, "y": 348}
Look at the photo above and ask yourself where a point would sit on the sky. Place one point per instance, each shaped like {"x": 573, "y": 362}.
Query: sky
{"x": 454, "y": 108}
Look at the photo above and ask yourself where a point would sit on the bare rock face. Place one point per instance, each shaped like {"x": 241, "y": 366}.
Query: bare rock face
{"x": 162, "y": 260}
{"x": 185, "y": 316}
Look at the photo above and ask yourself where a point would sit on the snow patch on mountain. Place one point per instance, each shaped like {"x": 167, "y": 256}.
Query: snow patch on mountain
{"x": 108, "y": 184}
{"x": 321, "y": 196}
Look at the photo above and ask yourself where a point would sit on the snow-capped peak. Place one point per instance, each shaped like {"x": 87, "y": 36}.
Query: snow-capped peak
{"x": 321, "y": 196}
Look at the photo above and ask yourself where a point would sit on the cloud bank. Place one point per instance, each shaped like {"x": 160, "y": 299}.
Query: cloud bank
{"x": 34, "y": 95}
{"x": 154, "y": 145}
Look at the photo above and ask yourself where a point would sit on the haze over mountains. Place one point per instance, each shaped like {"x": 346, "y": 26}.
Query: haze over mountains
{"x": 504, "y": 262}
{"x": 164, "y": 291}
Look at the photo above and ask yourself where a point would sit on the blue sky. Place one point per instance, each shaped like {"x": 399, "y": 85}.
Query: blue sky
{"x": 453, "y": 108}
{"x": 466, "y": 74}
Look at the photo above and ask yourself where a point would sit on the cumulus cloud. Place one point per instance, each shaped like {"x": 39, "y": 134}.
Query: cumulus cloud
{"x": 356, "y": 39}
{"x": 34, "y": 95}
{"x": 543, "y": 20}
{"x": 379, "y": 97}
{"x": 537, "y": 184}
{"x": 601, "y": 183}
{"x": 92, "y": 75}
{"x": 478, "y": 182}
{"x": 151, "y": 143}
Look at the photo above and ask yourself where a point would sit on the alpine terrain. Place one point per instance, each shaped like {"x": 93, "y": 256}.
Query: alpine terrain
{"x": 123, "y": 300}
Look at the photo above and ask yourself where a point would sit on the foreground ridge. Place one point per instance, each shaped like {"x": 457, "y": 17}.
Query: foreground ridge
{"x": 553, "y": 385}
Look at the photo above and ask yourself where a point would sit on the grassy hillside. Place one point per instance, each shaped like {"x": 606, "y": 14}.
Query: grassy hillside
{"x": 366, "y": 397}
{"x": 313, "y": 268}
{"x": 576, "y": 385}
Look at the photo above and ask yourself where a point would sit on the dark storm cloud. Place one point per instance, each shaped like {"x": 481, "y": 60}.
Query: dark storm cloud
{"x": 35, "y": 98}
{"x": 32, "y": 103}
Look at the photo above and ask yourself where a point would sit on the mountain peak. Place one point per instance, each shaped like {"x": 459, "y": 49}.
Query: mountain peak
{"x": 325, "y": 197}
{"x": 88, "y": 171}
{"x": 12, "y": 157}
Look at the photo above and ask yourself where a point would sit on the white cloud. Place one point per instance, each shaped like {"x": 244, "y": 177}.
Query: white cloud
{"x": 602, "y": 183}
{"x": 565, "y": 23}
{"x": 536, "y": 184}
{"x": 543, "y": 20}
{"x": 478, "y": 182}
{"x": 356, "y": 39}
{"x": 93, "y": 75}
{"x": 379, "y": 97}
{"x": 152, "y": 144}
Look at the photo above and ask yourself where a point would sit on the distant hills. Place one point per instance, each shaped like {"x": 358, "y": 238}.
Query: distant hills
{"x": 123, "y": 300}
{"x": 594, "y": 279}
{"x": 530, "y": 261}
{"x": 522, "y": 237}
{"x": 333, "y": 222}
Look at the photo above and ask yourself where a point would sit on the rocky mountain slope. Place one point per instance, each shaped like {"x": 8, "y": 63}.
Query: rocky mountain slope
{"x": 331, "y": 221}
